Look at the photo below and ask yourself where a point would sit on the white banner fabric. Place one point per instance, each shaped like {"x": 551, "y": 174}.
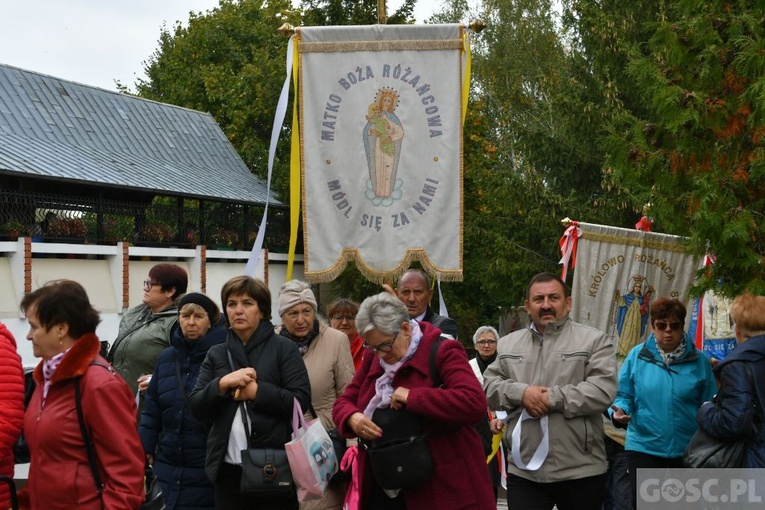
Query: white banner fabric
{"x": 619, "y": 272}
{"x": 381, "y": 132}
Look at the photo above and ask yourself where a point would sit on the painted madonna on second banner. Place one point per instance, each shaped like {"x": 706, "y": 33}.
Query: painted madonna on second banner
{"x": 632, "y": 313}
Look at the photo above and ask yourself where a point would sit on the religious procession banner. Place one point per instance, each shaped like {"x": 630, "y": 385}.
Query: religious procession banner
{"x": 619, "y": 272}
{"x": 711, "y": 324}
{"x": 381, "y": 112}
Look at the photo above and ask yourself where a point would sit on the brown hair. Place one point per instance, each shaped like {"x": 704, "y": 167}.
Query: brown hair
{"x": 748, "y": 313}
{"x": 170, "y": 276}
{"x": 247, "y": 286}
{"x": 665, "y": 308}
{"x": 544, "y": 278}
{"x": 343, "y": 306}
{"x": 63, "y": 301}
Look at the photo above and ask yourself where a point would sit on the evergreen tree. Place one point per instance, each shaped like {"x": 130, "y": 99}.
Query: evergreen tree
{"x": 693, "y": 143}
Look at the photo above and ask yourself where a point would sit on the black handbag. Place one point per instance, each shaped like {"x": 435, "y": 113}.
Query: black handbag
{"x": 266, "y": 472}
{"x": 402, "y": 460}
{"x": 705, "y": 451}
{"x": 400, "y": 463}
{"x": 339, "y": 443}
{"x": 154, "y": 498}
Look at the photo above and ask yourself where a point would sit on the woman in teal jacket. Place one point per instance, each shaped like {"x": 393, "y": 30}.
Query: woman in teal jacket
{"x": 662, "y": 383}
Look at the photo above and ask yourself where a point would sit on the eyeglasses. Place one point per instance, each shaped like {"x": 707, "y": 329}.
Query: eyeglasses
{"x": 148, "y": 284}
{"x": 385, "y": 347}
{"x": 341, "y": 318}
{"x": 662, "y": 325}
{"x": 486, "y": 342}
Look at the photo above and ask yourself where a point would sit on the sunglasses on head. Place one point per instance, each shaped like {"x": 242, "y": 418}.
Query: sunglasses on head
{"x": 662, "y": 325}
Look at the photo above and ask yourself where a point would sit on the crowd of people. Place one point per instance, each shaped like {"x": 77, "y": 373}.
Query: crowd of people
{"x": 187, "y": 391}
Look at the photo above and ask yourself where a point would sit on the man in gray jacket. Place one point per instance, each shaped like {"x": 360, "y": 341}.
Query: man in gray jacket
{"x": 556, "y": 378}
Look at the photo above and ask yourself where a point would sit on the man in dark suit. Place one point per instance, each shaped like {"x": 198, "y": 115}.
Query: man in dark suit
{"x": 415, "y": 291}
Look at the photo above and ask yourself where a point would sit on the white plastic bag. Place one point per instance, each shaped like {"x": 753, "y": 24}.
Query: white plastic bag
{"x": 311, "y": 456}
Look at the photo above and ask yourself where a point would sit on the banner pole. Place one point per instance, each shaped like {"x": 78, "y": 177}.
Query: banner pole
{"x": 382, "y": 16}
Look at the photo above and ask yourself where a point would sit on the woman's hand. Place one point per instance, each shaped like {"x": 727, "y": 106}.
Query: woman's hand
{"x": 246, "y": 393}
{"x": 619, "y": 416}
{"x": 399, "y": 398}
{"x": 237, "y": 380}
{"x": 363, "y": 427}
{"x": 143, "y": 383}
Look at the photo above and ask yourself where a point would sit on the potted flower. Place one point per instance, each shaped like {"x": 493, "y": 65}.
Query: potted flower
{"x": 67, "y": 228}
{"x": 116, "y": 230}
{"x": 156, "y": 233}
{"x": 224, "y": 238}
{"x": 12, "y": 230}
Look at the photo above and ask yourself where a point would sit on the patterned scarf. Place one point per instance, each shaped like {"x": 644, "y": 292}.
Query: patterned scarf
{"x": 302, "y": 343}
{"x": 48, "y": 369}
{"x": 383, "y": 386}
{"x": 671, "y": 357}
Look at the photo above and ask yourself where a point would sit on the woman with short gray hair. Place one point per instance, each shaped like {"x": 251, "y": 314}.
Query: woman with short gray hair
{"x": 382, "y": 312}
{"x": 395, "y": 396}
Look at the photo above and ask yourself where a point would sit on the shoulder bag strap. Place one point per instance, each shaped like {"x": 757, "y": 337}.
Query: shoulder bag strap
{"x": 758, "y": 408}
{"x": 241, "y": 403}
{"x": 92, "y": 459}
{"x": 433, "y": 365}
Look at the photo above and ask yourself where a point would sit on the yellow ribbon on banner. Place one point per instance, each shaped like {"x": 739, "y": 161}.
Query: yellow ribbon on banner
{"x": 294, "y": 165}
{"x": 466, "y": 78}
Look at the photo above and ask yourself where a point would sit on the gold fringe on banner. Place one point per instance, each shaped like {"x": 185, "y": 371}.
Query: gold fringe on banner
{"x": 634, "y": 241}
{"x": 380, "y": 277}
{"x": 347, "y": 46}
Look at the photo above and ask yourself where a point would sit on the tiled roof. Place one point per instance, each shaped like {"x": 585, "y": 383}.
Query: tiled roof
{"x": 62, "y": 130}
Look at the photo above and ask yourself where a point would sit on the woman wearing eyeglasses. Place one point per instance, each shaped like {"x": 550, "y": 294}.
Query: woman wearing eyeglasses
{"x": 328, "y": 361}
{"x": 394, "y": 392}
{"x": 145, "y": 329}
{"x": 342, "y": 317}
{"x": 662, "y": 383}
{"x": 485, "y": 341}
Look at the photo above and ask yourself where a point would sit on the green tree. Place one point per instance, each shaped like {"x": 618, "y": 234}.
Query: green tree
{"x": 352, "y": 12}
{"x": 693, "y": 143}
{"x": 229, "y": 62}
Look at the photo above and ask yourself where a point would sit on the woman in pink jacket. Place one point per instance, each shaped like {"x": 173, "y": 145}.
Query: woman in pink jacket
{"x": 11, "y": 406}
{"x": 396, "y": 381}
{"x": 62, "y": 325}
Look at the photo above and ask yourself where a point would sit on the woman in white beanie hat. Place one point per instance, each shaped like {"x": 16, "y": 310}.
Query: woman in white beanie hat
{"x": 328, "y": 361}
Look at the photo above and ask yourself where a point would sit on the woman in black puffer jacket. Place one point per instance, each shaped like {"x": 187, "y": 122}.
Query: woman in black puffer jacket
{"x": 173, "y": 439}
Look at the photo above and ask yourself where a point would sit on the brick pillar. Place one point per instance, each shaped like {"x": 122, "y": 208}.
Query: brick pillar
{"x": 27, "y": 265}
{"x": 203, "y": 269}
{"x": 125, "y": 276}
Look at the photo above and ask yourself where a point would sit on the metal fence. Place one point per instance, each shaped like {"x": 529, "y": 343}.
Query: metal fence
{"x": 164, "y": 222}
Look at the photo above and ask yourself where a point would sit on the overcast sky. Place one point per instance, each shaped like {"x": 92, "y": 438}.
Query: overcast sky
{"x": 96, "y": 42}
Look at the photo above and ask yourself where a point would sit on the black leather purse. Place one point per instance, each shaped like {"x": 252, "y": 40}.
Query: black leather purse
{"x": 401, "y": 463}
{"x": 265, "y": 471}
{"x": 403, "y": 459}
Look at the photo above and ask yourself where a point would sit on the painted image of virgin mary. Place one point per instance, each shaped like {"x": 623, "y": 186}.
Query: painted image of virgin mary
{"x": 383, "y": 135}
{"x": 632, "y": 314}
